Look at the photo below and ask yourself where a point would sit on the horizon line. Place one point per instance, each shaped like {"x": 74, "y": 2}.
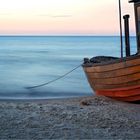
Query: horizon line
{"x": 62, "y": 35}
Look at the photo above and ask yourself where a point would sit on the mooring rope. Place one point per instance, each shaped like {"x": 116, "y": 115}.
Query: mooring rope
{"x": 60, "y": 77}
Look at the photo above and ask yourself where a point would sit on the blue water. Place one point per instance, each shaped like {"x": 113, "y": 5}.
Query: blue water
{"x": 28, "y": 61}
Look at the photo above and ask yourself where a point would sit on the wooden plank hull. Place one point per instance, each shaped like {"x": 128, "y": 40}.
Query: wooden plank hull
{"x": 119, "y": 79}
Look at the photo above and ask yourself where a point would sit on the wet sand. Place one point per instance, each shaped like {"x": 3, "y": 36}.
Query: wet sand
{"x": 76, "y": 118}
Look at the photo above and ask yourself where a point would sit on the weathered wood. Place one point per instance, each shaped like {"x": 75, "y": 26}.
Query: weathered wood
{"x": 121, "y": 92}
{"x": 128, "y": 99}
{"x": 116, "y": 73}
{"x": 113, "y": 86}
{"x": 113, "y": 66}
{"x": 116, "y": 80}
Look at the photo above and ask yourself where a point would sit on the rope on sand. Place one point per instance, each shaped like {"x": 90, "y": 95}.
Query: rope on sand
{"x": 52, "y": 81}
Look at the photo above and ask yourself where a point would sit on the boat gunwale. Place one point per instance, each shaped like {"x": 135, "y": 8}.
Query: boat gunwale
{"x": 119, "y": 60}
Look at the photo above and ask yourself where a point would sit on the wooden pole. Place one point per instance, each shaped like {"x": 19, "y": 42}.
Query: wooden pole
{"x": 127, "y": 41}
{"x": 120, "y": 19}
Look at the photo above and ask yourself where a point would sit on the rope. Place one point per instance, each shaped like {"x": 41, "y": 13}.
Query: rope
{"x": 62, "y": 76}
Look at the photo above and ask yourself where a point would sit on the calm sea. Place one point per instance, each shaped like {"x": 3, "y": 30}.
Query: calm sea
{"x": 28, "y": 61}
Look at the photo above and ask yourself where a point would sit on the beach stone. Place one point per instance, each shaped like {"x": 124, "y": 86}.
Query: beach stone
{"x": 103, "y": 118}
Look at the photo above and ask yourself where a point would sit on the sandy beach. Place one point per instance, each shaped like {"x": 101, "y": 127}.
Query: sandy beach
{"x": 76, "y": 118}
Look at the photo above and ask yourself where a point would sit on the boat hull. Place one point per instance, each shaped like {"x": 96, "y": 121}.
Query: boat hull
{"x": 119, "y": 79}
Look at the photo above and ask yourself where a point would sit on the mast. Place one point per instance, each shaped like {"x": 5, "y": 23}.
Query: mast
{"x": 137, "y": 22}
{"x": 120, "y": 19}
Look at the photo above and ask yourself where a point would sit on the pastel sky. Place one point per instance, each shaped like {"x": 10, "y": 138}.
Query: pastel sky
{"x": 62, "y": 17}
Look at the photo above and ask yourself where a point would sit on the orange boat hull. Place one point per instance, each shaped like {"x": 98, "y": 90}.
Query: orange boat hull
{"x": 119, "y": 79}
{"x": 123, "y": 94}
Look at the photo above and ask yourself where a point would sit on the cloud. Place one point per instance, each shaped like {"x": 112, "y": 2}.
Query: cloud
{"x": 5, "y": 14}
{"x": 57, "y": 16}
{"x": 61, "y": 16}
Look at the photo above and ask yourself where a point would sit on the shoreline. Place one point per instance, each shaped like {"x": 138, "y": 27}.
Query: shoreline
{"x": 44, "y": 99}
{"x": 93, "y": 117}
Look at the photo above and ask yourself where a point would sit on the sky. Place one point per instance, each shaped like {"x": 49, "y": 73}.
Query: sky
{"x": 62, "y": 17}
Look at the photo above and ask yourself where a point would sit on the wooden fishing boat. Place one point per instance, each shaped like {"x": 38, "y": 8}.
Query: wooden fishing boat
{"x": 118, "y": 78}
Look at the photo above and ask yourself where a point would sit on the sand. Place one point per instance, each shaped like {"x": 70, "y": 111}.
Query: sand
{"x": 76, "y": 118}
